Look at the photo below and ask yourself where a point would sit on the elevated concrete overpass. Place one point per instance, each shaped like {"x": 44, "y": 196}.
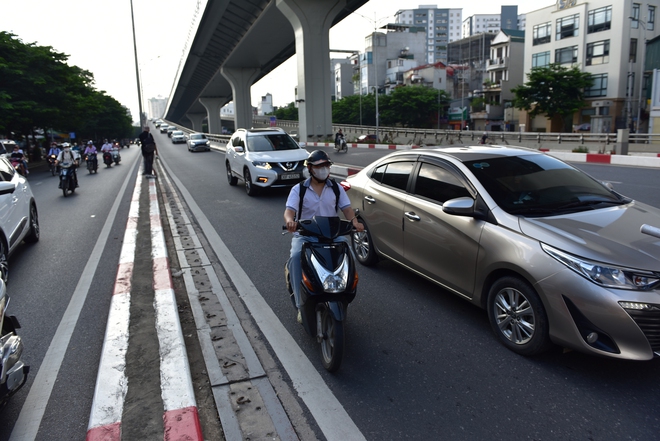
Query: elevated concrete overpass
{"x": 238, "y": 42}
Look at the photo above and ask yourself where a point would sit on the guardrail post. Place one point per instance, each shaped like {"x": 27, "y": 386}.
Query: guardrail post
{"x": 472, "y": 136}
{"x": 581, "y": 139}
{"x": 519, "y": 137}
{"x": 538, "y": 138}
{"x": 559, "y": 138}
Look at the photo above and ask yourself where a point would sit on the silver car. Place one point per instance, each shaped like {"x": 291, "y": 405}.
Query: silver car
{"x": 198, "y": 141}
{"x": 553, "y": 255}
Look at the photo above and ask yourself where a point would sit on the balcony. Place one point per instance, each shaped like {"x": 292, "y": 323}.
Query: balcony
{"x": 498, "y": 63}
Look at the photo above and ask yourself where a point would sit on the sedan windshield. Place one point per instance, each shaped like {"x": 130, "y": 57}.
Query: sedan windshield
{"x": 268, "y": 143}
{"x": 540, "y": 185}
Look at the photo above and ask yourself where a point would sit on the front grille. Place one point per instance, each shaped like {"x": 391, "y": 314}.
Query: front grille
{"x": 286, "y": 166}
{"x": 648, "y": 321}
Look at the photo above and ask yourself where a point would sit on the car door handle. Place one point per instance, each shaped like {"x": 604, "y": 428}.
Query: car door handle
{"x": 412, "y": 216}
{"x": 370, "y": 199}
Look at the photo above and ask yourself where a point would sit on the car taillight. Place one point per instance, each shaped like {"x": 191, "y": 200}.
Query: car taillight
{"x": 346, "y": 185}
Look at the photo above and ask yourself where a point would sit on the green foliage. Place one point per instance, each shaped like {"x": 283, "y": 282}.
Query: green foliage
{"x": 39, "y": 90}
{"x": 553, "y": 90}
{"x": 407, "y": 106}
{"x": 288, "y": 113}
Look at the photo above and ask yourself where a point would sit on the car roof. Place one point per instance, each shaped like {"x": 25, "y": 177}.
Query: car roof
{"x": 263, "y": 130}
{"x": 469, "y": 153}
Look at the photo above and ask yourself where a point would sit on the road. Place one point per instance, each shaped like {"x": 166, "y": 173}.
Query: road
{"x": 419, "y": 363}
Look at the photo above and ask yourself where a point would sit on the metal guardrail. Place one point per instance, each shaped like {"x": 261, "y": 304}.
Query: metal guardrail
{"x": 602, "y": 142}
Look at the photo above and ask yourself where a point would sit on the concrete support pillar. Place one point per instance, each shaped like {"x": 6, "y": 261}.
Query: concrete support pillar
{"x": 621, "y": 147}
{"x": 196, "y": 119}
{"x": 311, "y": 21}
{"x": 213, "y": 106}
{"x": 241, "y": 80}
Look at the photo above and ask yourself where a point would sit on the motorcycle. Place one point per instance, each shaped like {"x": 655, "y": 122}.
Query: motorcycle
{"x": 54, "y": 168}
{"x": 329, "y": 284}
{"x": 18, "y": 165}
{"x": 92, "y": 163}
{"x": 341, "y": 145}
{"x": 107, "y": 159}
{"x": 67, "y": 179}
{"x": 13, "y": 372}
{"x": 116, "y": 157}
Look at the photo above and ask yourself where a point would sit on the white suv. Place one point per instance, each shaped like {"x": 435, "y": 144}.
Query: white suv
{"x": 18, "y": 217}
{"x": 264, "y": 158}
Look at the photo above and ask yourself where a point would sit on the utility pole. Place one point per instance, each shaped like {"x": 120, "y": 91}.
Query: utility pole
{"x": 137, "y": 72}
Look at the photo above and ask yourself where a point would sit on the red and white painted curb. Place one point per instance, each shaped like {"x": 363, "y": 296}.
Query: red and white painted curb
{"x": 180, "y": 416}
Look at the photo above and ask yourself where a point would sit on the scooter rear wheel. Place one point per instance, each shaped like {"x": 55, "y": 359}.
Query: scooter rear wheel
{"x": 332, "y": 345}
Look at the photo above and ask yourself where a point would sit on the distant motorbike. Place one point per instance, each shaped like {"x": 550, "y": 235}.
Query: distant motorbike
{"x": 116, "y": 157}
{"x": 329, "y": 285}
{"x": 107, "y": 159}
{"x": 54, "y": 168}
{"x": 13, "y": 372}
{"x": 340, "y": 145}
{"x": 67, "y": 178}
{"x": 92, "y": 163}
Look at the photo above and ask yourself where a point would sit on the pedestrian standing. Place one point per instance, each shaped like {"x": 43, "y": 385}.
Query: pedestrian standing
{"x": 148, "y": 151}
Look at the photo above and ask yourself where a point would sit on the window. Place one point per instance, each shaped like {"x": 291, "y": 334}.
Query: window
{"x": 437, "y": 184}
{"x": 541, "y": 59}
{"x": 635, "y": 16}
{"x": 568, "y": 26}
{"x": 394, "y": 174}
{"x": 6, "y": 170}
{"x": 599, "y": 20}
{"x": 633, "y": 51}
{"x": 598, "y": 52}
{"x": 541, "y": 34}
{"x": 567, "y": 55}
{"x": 599, "y": 88}
{"x": 650, "y": 23}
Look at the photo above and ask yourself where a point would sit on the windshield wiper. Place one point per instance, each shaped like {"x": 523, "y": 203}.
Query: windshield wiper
{"x": 590, "y": 203}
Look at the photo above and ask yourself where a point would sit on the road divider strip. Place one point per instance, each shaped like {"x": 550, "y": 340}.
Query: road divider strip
{"x": 111, "y": 385}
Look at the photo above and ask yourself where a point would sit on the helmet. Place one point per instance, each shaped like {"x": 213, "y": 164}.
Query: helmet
{"x": 90, "y": 142}
{"x": 318, "y": 157}
{"x": 66, "y": 144}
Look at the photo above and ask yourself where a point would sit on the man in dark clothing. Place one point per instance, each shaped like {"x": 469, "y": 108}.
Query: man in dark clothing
{"x": 148, "y": 151}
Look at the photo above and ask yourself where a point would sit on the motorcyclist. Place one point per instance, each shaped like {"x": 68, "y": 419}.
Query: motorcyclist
{"x": 18, "y": 155}
{"x": 323, "y": 200}
{"x": 338, "y": 137}
{"x": 54, "y": 150}
{"x": 91, "y": 150}
{"x": 69, "y": 156}
{"x": 106, "y": 147}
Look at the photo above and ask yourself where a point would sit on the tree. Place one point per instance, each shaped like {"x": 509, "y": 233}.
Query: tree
{"x": 288, "y": 113}
{"x": 554, "y": 91}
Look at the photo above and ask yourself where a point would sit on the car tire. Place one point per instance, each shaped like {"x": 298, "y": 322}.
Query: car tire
{"x": 363, "y": 246}
{"x": 250, "y": 188}
{"x": 517, "y": 316}
{"x": 33, "y": 234}
{"x": 4, "y": 262}
{"x": 233, "y": 180}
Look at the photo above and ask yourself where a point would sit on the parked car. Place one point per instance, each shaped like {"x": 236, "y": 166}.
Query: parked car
{"x": 163, "y": 128}
{"x": 19, "y": 220}
{"x": 178, "y": 137}
{"x": 371, "y": 138}
{"x": 197, "y": 142}
{"x": 264, "y": 158}
{"x": 553, "y": 255}
{"x": 6, "y": 147}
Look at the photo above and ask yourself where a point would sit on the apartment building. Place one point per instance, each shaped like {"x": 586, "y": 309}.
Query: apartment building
{"x": 605, "y": 38}
{"x": 442, "y": 26}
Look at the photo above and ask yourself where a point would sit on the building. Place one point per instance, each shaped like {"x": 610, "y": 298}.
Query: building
{"x": 503, "y": 72}
{"x": 508, "y": 18}
{"x": 344, "y": 71}
{"x": 265, "y": 105}
{"x": 157, "y": 107}
{"x": 441, "y": 26}
{"x": 604, "y": 38}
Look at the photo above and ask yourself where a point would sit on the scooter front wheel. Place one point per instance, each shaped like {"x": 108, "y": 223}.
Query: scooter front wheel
{"x": 332, "y": 343}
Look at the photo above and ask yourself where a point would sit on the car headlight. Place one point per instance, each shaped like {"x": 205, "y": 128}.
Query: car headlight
{"x": 260, "y": 164}
{"x": 332, "y": 281}
{"x": 605, "y": 275}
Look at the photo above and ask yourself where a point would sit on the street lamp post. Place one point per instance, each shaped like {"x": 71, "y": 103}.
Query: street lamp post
{"x": 137, "y": 71}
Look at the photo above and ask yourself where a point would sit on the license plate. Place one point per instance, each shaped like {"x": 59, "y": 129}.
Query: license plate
{"x": 291, "y": 176}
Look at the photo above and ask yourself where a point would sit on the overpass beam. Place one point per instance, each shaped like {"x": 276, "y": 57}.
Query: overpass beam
{"x": 311, "y": 21}
{"x": 213, "y": 106}
{"x": 241, "y": 80}
{"x": 197, "y": 119}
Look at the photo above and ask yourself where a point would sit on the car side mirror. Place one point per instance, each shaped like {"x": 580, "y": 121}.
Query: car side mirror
{"x": 238, "y": 149}
{"x": 459, "y": 206}
{"x": 6, "y": 188}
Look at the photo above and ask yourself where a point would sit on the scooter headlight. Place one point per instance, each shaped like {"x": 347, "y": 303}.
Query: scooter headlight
{"x": 332, "y": 281}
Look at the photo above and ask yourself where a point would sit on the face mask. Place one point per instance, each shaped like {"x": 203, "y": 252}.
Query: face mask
{"x": 321, "y": 173}
{"x": 67, "y": 149}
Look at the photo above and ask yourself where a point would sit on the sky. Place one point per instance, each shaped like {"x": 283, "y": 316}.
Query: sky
{"x": 97, "y": 36}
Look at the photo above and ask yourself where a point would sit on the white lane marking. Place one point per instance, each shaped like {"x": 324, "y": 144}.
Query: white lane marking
{"x": 32, "y": 412}
{"x": 330, "y": 415}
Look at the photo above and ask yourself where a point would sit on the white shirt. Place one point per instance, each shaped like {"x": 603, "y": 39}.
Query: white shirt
{"x": 69, "y": 156}
{"x": 106, "y": 147}
{"x": 315, "y": 205}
